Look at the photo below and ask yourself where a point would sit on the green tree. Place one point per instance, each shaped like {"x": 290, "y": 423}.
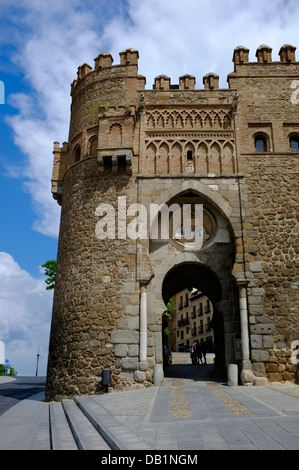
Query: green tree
{"x": 166, "y": 318}
{"x": 12, "y": 371}
{"x": 50, "y": 271}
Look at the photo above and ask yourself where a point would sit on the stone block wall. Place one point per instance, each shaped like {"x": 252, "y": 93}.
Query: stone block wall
{"x": 267, "y": 108}
{"x": 272, "y": 255}
{"x": 95, "y": 322}
{"x": 153, "y": 146}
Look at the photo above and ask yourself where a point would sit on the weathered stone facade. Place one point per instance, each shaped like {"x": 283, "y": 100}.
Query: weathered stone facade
{"x": 232, "y": 150}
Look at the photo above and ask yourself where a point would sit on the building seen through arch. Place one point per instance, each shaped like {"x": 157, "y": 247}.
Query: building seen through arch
{"x": 191, "y": 321}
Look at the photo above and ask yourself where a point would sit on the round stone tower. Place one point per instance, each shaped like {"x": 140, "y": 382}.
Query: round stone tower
{"x": 96, "y": 295}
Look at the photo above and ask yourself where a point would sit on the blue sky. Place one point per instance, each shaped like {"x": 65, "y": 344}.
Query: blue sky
{"x": 41, "y": 45}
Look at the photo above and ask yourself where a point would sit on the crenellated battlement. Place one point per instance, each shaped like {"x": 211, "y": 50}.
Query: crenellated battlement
{"x": 112, "y": 110}
{"x": 264, "y": 55}
{"x": 129, "y": 58}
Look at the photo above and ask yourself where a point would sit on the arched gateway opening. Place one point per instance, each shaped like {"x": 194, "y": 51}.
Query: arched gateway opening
{"x": 189, "y": 275}
{"x": 209, "y": 270}
{"x": 200, "y": 278}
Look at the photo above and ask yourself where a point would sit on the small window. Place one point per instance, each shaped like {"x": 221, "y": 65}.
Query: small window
{"x": 294, "y": 144}
{"x": 121, "y": 164}
{"x": 93, "y": 146}
{"x": 189, "y": 155}
{"x": 260, "y": 143}
{"x": 77, "y": 155}
{"x": 107, "y": 164}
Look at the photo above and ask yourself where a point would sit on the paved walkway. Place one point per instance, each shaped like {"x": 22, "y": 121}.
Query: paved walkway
{"x": 190, "y": 411}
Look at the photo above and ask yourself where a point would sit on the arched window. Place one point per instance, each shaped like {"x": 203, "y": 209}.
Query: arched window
{"x": 189, "y": 155}
{"x": 260, "y": 142}
{"x": 77, "y": 154}
{"x": 294, "y": 143}
{"x": 93, "y": 146}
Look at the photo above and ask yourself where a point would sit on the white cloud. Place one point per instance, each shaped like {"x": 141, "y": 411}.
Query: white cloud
{"x": 173, "y": 37}
{"x": 25, "y": 313}
{"x": 49, "y": 56}
{"x": 199, "y": 36}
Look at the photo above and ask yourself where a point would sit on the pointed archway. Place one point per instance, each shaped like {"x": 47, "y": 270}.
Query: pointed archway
{"x": 209, "y": 268}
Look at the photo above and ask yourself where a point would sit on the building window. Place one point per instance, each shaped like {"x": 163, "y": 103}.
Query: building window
{"x": 189, "y": 155}
{"x": 93, "y": 146}
{"x": 208, "y": 307}
{"x": 193, "y": 313}
{"x": 200, "y": 310}
{"x": 294, "y": 144}
{"x": 260, "y": 143}
{"x": 77, "y": 154}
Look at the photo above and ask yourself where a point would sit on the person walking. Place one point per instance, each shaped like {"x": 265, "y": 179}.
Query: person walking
{"x": 193, "y": 353}
{"x": 199, "y": 353}
{"x": 204, "y": 350}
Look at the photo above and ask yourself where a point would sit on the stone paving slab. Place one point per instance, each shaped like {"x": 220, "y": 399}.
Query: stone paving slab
{"x": 218, "y": 417}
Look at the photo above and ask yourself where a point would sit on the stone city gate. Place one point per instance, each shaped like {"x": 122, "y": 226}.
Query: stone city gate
{"x": 232, "y": 151}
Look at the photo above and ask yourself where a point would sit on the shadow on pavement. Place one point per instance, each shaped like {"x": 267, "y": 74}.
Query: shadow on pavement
{"x": 182, "y": 368}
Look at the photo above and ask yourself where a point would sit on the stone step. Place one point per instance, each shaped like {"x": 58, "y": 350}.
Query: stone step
{"x": 62, "y": 437}
{"x": 115, "y": 433}
{"x": 85, "y": 434}
{"x": 84, "y": 424}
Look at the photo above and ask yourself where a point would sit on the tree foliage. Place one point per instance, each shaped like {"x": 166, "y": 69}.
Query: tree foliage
{"x": 166, "y": 318}
{"x": 12, "y": 371}
{"x": 50, "y": 271}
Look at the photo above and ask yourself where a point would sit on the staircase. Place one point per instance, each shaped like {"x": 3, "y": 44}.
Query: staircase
{"x": 84, "y": 424}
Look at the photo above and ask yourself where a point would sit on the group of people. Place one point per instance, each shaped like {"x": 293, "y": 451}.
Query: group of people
{"x": 198, "y": 351}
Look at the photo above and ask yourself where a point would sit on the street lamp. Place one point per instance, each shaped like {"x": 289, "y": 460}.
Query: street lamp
{"x": 37, "y": 359}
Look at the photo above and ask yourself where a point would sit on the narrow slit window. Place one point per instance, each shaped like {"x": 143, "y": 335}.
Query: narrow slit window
{"x": 189, "y": 155}
{"x": 77, "y": 154}
{"x": 93, "y": 146}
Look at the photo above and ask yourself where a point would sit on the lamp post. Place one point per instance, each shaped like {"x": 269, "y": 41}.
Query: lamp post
{"x": 37, "y": 359}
